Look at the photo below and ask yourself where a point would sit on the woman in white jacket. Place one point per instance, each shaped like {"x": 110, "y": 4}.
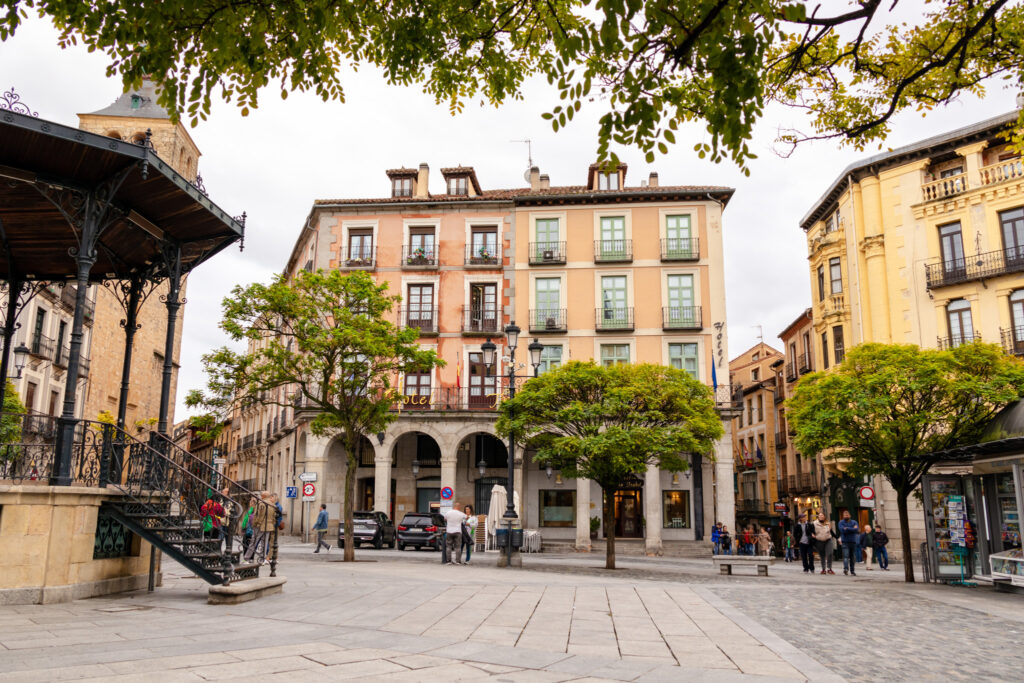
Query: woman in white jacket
{"x": 469, "y": 531}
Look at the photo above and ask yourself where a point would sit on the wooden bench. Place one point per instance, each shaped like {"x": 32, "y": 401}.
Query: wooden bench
{"x": 725, "y": 563}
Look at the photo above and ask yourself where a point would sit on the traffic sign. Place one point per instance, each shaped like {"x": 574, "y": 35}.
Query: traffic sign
{"x": 867, "y": 493}
{"x": 447, "y": 493}
{"x": 220, "y": 461}
{"x": 308, "y": 490}
{"x": 307, "y": 476}
{"x": 291, "y": 491}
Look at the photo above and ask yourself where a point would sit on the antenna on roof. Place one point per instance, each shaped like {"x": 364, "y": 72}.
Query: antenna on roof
{"x": 760, "y": 332}
{"x": 529, "y": 157}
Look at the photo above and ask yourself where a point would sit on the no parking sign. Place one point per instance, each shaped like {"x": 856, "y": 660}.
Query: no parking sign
{"x": 447, "y": 493}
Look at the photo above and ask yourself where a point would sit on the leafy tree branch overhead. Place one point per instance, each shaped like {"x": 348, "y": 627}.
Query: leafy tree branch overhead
{"x": 648, "y": 66}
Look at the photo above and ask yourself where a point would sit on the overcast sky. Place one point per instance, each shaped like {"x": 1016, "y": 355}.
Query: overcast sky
{"x": 275, "y": 162}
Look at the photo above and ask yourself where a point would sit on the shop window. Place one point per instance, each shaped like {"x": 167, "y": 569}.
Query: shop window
{"x": 676, "y": 509}
{"x": 558, "y": 508}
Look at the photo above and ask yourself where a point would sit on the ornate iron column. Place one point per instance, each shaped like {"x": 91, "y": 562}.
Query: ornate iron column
{"x": 173, "y": 301}
{"x": 13, "y": 293}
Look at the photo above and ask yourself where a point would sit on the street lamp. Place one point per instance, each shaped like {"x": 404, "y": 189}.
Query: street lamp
{"x": 488, "y": 349}
{"x": 415, "y": 466}
{"x": 20, "y": 357}
{"x": 481, "y": 466}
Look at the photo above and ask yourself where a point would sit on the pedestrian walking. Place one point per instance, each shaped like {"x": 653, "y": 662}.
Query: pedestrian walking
{"x": 848, "y": 532}
{"x": 748, "y": 541}
{"x": 725, "y": 541}
{"x": 805, "y": 542}
{"x": 247, "y": 520}
{"x": 453, "y": 533}
{"x": 278, "y": 526}
{"x": 262, "y": 523}
{"x": 764, "y": 543}
{"x": 865, "y": 545}
{"x": 212, "y": 515}
{"x": 824, "y": 542}
{"x": 716, "y": 537}
{"x": 879, "y": 540}
{"x": 469, "y": 531}
{"x": 788, "y": 542}
{"x": 321, "y": 529}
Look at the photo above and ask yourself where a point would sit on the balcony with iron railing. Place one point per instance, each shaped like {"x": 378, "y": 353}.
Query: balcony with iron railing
{"x": 613, "y": 251}
{"x": 440, "y": 399}
{"x": 43, "y": 347}
{"x": 728, "y": 398}
{"x": 791, "y": 372}
{"x": 752, "y": 506}
{"x": 547, "y": 253}
{"x": 83, "y": 365}
{"x": 681, "y": 318}
{"x": 248, "y": 441}
{"x": 358, "y": 258}
{"x": 61, "y": 356}
{"x": 483, "y": 256}
{"x": 610, "y": 319}
{"x": 804, "y": 363}
{"x": 680, "y": 249}
{"x": 791, "y": 483}
{"x": 480, "y": 321}
{"x": 779, "y": 395}
{"x": 548, "y": 320}
{"x": 943, "y": 273}
{"x": 955, "y": 340}
{"x": 780, "y": 439}
{"x": 808, "y": 482}
{"x": 1013, "y": 340}
{"x": 419, "y": 258}
{"x": 422, "y": 318}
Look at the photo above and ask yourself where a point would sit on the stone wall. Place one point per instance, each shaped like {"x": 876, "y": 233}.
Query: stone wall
{"x": 47, "y": 536}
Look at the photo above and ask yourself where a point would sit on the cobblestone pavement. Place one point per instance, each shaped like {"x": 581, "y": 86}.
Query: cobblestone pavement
{"x": 403, "y": 616}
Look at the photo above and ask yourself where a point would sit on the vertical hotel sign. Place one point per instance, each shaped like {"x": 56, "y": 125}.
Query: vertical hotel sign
{"x": 719, "y": 351}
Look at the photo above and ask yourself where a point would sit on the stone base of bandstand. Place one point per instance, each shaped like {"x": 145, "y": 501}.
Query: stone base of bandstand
{"x": 244, "y": 591}
{"x": 47, "y": 542}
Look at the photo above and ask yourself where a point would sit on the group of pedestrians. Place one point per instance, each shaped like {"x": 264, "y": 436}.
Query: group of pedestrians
{"x": 255, "y": 528}
{"x": 857, "y": 545}
{"x": 459, "y": 533}
{"x": 753, "y": 540}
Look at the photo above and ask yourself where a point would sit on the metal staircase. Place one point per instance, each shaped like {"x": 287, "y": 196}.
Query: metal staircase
{"x": 162, "y": 490}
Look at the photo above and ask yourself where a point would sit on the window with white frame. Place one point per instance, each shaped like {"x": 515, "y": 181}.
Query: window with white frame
{"x": 608, "y": 181}
{"x": 614, "y": 354}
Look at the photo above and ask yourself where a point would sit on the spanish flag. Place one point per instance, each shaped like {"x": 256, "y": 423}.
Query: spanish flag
{"x": 458, "y": 373}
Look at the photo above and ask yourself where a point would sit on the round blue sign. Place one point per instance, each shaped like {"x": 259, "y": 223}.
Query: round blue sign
{"x": 447, "y": 493}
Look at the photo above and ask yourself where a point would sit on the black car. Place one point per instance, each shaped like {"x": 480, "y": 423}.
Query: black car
{"x": 369, "y": 527}
{"x": 418, "y": 529}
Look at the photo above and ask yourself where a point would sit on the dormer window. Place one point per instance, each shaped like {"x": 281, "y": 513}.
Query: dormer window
{"x": 458, "y": 186}
{"x": 136, "y": 101}
{"x": 401, "y": 187}
{"x": 608, "y": 181}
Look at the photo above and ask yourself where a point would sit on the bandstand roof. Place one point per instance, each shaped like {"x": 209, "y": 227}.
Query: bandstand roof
{"x": 154, "y": 204}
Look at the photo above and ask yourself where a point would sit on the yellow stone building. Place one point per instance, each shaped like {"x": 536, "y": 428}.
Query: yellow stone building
{"x": 921, "y": 245}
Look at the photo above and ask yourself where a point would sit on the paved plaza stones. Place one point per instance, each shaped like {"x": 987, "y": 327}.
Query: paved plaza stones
{"x": 403, "y": 616}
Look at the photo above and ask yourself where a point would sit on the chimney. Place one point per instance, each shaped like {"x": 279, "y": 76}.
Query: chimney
{"x": 534, "y": 178}
{"x": 422, "y": 182}
{"x": 545, "y": 181}
{"x": 653, "y": 180}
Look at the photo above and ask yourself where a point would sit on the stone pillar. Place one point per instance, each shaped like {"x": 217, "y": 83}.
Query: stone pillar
{"x": 382, "y": 480}
{"x": 873, "y": 248}
{"x": 972, "y": 155}
{"x": 449, "y": 463}
{"x": 725, "y": 496}
{"x": 583, "y": 515}
{"x": 652, "y": 510}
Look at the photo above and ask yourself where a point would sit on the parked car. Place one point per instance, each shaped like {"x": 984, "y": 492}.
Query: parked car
{"x": 369, "y": 527}
{"x": 418, "y": 529}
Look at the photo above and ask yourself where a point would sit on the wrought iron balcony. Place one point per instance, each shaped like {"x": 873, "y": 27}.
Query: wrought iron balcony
{"x": 358, "y": 258}
{"x": 42, "y": 347}
{"x": 60, "y": 357}
{"x": 779, "y": 395}
{"x": 804, "y": 363}
{"x": 728, "y": 397}
{"x": 419, "y": 258}
{"x": 438, "y": 399}
{"x": 808, "y": 482}
{"x": 83, "y": 365}
{"x": 547, "y": 253}
{"x": 978, "y": 267}
{"x": 423, "y": 318}
{"x": 790, "y": 372}
{"x": 613, "y": 319}
{"x": 944, "y": 187}
{"x": 481, "y": 321}
{"x": 548, "y": 320}
{"x": 752, "y": 505}
{"x": 248, "y": 441}
{"x": 613, "y": 251}
{"x": 681, "y": 318}
{"x": 483, "y": 257}
{"x": 1013, "y": 340}
{"x": 791, "y": 483}
{"x": 680, "y": 249}
{"x": 955, "y": 340}
{"x": 780, "y": 439}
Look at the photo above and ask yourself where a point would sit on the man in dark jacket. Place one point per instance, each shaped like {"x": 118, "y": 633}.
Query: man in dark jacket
{"x": 879, "y": 540}
{"x": 804, "y": 538}
{"x": 848, "y": 538}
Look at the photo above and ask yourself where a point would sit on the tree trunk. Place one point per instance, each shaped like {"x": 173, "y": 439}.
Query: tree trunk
{"x": 352, "y": 452}
{"x": 609, "y": 530}
{"x": 908, "y": 549}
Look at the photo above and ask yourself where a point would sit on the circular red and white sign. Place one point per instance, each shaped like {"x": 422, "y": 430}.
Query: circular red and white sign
{"x": 867, "y": 493}
{"x": 308, "y": 489}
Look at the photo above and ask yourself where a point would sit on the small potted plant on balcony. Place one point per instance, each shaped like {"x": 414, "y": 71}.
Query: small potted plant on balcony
{"x": 485, "y": 255}
{"x": 595, "y": 525}
{"x": 418, "y": 256}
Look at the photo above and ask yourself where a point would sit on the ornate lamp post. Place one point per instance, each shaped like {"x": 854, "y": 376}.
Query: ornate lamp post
{"x": 488, "y": 348}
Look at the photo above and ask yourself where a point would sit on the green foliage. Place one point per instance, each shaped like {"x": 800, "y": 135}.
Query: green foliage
{"x": 208, "y": 426}
{"x": 323, "y": 340}
{"x": 106, "y": 417}
{"x": 10, "y": 425}
{"x": 652, "y": 65}
{"x": 886, "y": 408}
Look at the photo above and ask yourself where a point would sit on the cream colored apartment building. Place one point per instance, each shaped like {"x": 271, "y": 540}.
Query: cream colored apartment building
{"x": 921, "y": 245}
